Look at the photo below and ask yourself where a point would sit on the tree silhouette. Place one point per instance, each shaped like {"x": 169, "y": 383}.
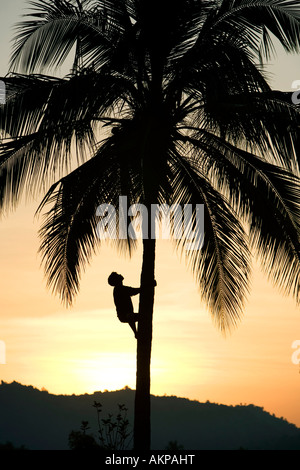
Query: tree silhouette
{"x": 166, "y": 103}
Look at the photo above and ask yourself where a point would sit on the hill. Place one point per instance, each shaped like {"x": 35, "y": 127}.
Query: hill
{"x": 43, "y": 421}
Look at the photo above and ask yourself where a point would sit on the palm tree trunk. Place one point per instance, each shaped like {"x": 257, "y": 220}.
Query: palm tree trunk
{"x": 142, "y": 418}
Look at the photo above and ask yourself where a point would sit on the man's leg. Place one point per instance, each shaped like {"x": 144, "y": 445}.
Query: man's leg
{"x": 132, "y": 320}
{"x": 133, "y": 327}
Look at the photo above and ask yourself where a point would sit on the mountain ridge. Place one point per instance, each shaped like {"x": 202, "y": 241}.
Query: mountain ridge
{"x": 40, "y": 420}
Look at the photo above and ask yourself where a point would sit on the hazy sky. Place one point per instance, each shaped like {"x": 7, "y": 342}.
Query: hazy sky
{"x": 85, "y": 348}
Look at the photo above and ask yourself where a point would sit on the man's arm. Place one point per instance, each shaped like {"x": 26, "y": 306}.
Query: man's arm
{"x": 134, "y": 290}
{"x": 137, "y": 290}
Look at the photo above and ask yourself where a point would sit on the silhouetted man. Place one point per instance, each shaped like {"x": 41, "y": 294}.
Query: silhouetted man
{"x": 122, "y": 298}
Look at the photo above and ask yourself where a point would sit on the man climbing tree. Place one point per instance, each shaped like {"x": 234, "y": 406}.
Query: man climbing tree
{"x": 122, "y": 298}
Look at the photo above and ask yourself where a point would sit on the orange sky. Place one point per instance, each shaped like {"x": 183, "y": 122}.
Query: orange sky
{"x": 85, "y": 348}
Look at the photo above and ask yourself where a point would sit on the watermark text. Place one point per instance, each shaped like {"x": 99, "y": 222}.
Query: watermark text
{"x": 164, "y": 221}
{"x": 296, "y": 353}
{"x": 2, "y": 92}
{"x": 2, "y": 352}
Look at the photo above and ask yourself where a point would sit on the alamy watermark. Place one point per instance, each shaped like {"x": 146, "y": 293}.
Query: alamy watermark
{"x": 296, "y": 353}
{"x": 2, "y": 352}
{"x": 176, "y": 222}
{"x": 296, "y": 94}
{"x": 2, "y": 92}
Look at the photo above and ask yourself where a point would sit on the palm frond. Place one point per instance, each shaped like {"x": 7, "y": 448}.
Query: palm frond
{"x": 49, "y": 121}
{"x": 255, "y": 121}
{"x": 16, "y": 172}
{"x": 255, "y": 19}
{"x": 267, "y": 198}
{"x": 54, "y": 30}
{"x": 222, "y": 266}
{"x": 69, "y": 234}
{"x": 26, "y": 100}
{"x": 233, "y": 99}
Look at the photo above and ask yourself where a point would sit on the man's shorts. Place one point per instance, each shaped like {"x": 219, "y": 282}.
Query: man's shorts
{"x": 128, "y": 317}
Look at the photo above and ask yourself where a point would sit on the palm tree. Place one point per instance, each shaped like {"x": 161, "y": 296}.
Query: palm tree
{"x": 166, "y": 102}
